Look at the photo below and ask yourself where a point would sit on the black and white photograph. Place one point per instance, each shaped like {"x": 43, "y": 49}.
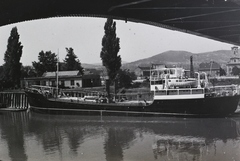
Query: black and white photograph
{"x": 120, "y": 80}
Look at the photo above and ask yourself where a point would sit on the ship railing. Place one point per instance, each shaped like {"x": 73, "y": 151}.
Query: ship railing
{"x": 143, "y": 98}
{"x": 96, "y": 100}
{"x": 184, "y": 91}
{"x": 225, "y": 90}
{"x": 41, "y": 88}
{"x": 47, "y": 91}
{"x": 94, "y": 95}
{"x": 216, "y": 91}
{"x": 153, "y": 78}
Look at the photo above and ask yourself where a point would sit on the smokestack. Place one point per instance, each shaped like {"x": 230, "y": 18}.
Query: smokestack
{"x": 191, "y": 67}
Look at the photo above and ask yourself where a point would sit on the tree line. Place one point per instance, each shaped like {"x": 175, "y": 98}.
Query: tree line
{"x": 12, "y": 71}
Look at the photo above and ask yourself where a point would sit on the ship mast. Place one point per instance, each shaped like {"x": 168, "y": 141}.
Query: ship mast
{"x": 57, "y": 72}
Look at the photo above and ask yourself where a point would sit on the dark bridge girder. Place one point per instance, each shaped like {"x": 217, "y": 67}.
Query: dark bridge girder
{"x": 215, "y": 19}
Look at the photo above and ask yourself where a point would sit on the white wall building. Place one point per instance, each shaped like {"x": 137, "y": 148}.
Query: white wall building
{"x": 67, "y": 79}
{"x": 234, "y": 61}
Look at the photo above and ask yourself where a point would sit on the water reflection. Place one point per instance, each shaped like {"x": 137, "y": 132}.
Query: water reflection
{"x": 31, "y": 136}
{"x": 117, "y": 140}
{"x": 12, "y": 131}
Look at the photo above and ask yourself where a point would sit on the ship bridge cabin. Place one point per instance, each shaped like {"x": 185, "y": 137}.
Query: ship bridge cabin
{"x": 174, "y": 83}
{"x": 162, "y": 78}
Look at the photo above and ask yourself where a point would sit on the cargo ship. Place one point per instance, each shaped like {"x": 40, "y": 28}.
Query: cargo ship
{"x": 174, "y": 94}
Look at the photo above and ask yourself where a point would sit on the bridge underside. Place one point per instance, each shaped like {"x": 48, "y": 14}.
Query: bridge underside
{"x": 215, "y": 19}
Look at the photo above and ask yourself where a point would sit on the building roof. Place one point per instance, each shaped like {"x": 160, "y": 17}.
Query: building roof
{"x": 144, "y": 68}
{"x": 147, "y": 68}
{"x": 209, "y": 66}
{"x": 233, "y": 64}
{"x": 66, "y": 75}
{"x": 235, "y": 57}
{"x": 62, "y": 73}
{"x": 93, "y": 71}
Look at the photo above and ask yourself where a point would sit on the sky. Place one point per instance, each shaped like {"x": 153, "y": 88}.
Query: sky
{"x": 84, "y": 35}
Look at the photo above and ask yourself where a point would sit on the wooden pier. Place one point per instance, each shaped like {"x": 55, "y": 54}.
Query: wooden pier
{"x": 16, "y": 100}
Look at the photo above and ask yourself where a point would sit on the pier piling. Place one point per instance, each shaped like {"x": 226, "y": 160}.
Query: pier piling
{"x": 16, "y": 100}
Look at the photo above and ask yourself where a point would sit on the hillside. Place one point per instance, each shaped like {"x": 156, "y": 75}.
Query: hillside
{"x": 92, "y": 66}
{"x": 169, "y": 57}
{"x": 182, "y": 58}
{"x": 177, "y": 58}
{"x": 221, "y": 56}
{"x": 96, "y": 65}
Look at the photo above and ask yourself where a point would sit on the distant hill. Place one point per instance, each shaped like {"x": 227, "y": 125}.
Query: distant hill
{"x": 168, "y": 57}
{"x": 92, "y": 66}
{"x": 177, "y": 58}
{"x": 182, "y": 58}
{"x": 220, "y": 56}
{"x": 96, "y": 65}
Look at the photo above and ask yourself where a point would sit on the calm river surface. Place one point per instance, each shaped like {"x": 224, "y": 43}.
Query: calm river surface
{"x": 38, "y": 137}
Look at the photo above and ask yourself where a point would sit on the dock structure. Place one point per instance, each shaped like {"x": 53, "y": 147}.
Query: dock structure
{"x": 17, "y": 100}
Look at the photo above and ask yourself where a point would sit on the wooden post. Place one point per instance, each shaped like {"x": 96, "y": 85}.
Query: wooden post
{"x": 14, "y": 100}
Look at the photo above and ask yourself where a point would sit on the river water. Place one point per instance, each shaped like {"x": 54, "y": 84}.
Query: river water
{"x": 37, "y": 137}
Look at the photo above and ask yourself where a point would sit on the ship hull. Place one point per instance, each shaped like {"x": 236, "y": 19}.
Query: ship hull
{"x": 206, "y": 107}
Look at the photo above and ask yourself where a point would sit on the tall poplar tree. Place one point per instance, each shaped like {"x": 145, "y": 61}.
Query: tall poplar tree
{"x": 109, "y": 54}
{"x": 12, "y": 65}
